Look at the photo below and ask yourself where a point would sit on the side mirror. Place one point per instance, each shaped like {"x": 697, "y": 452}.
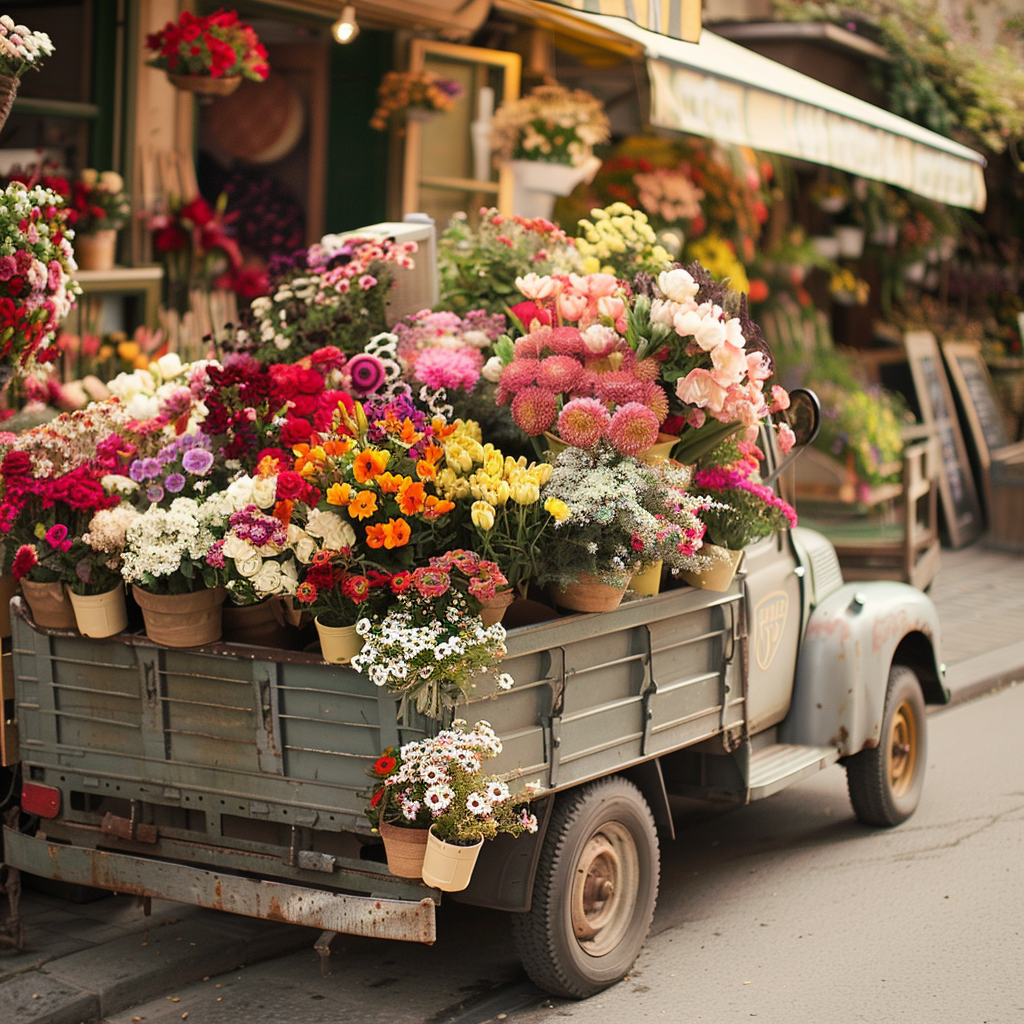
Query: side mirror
{"x": 804, "y": 419}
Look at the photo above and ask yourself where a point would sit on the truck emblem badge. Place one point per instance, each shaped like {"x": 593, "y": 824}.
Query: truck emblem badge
{"x": 769, "y": 622}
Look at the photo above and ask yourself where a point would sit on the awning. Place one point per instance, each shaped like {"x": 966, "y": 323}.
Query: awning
{"x": 679, "y": 19}
{"x": 720, "y": 90}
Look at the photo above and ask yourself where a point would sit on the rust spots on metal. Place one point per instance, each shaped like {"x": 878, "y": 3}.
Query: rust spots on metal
{"x": 840, "y": 738}
{"x": 274, "y": 911}
{"x": 892, "y": 628}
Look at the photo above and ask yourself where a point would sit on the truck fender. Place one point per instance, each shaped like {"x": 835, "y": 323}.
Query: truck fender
{"x": 853, "y": 637}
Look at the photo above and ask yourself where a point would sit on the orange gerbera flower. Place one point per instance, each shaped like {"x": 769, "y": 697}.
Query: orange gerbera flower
{"x": 369, "y": 464}
{"x": 335, "y": 449}
{"x": 339, "y": 494}
{"x": 426, "y": 470}
{"x": 388, "y": 483}
{"x": 397, "y": 533}
{"x": 363, "y": 505}
{"x": 411, "y": 498}
{"x": 434, "y": 507}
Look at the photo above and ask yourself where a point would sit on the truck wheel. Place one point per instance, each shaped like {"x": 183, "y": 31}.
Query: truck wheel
{"x": 595, "y": 890}
{"x": 885, "y": 781}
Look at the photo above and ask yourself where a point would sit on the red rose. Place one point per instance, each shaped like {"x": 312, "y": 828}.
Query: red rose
{"x": 292, "y": 487}
{"x": 303, "y": 405}
{"x": 295, "y": 432}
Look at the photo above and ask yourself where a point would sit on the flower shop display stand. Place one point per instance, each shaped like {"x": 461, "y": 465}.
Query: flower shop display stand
{"x": 235, "y": 777}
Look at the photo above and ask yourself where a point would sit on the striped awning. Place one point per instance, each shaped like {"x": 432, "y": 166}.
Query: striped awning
{"x": 721, "y": 90}
{"x": 679, "y": 19}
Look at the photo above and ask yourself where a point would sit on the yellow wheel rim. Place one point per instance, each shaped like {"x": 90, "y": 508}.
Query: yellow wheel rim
{"x": 903, "y": 750}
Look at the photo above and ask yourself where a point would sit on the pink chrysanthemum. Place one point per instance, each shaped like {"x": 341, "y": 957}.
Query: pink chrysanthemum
{"x": 530, "y": 346}
{"x": 583, "y": 422}
{"x": 560, "y": 374}
{"x": 534, "y": 410}
{"x": 647, "y": 369}
{"x": 566, "y": 341}
{"x": 634, "y": 429}
{"x": 520, "y": 373}
{"x": 653, "y": 396}
{"x": 449, "y": 368}
{"x": 617, "y": 387}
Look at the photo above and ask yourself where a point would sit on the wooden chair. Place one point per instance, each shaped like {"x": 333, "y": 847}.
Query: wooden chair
{"x": 896, "y": 538}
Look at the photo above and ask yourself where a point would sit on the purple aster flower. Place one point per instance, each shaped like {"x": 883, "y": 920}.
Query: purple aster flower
{"x": 174, "y": 483}
{"x": 154, "y": 492}
{"x": 197, "y": 461}
{"x": 135, "y": 471}
{"x": 151, "y": 469}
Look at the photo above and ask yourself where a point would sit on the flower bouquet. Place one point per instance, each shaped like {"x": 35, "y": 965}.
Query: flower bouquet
{"x": 431, "y": 644}
{"x": 334, "y": 293}
{"x": 36, "y": 287}
{"x": 402, "y": 95}
{"x": 20, "y": 50}
{"x": 438, "y": 784}
{"x": 208, "y": 55}
{"x": 614, "y": 515}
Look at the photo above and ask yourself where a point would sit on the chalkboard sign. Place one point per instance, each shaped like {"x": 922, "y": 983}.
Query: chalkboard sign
{"x": 960, "y": 506}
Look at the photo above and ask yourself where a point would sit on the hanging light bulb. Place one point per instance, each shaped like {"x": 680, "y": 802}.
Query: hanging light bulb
{"x": 345, "y": 28}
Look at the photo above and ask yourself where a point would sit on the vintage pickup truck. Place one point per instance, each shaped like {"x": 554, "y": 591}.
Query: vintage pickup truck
{"x": 235, "y": 776}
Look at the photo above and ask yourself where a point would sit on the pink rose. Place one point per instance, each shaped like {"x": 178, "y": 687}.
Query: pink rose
{"x": 786, "y": 437}
{"x": 729, "y": 363}
{"x": 571, "y": 306}
{"x": 700, "y": 388}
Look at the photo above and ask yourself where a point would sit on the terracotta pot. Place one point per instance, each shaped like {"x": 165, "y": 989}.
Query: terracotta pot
{"x": 721, "y": 572}
{"x": 260, "y": 624}
{"x": 449, "y": 867}
{"x": 588, "y": 594}
{"x": 338, "y": 644}
{"x": 648, "y": 581}
{"x": 96, "y": 251}
{"x": 493, "y": 609}
{"x": 8, "y": 588}
{"x": 100, "y": 615}
{"x": 204, "y": 85}
{"x": 405, "y": 848}
{"x": 49, "y": 604}
{"x": 182, "y": 620}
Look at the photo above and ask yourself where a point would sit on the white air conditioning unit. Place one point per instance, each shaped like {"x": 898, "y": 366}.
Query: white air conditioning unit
{"x": 413, "y": 289}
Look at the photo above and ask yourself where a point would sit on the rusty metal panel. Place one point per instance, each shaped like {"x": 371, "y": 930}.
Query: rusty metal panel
{"x": 376, "y": 917}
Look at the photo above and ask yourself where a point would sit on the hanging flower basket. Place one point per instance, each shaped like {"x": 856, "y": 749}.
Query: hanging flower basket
{"x": 8, "y": 90}
{"x": 448, "y": 866}
{"x": 405, "y": 849}
{"x": 204, "y": 85}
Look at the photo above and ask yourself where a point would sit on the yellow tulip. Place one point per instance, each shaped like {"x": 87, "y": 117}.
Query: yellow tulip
{"x": 525, "y": 493}
{"x": 557, "y": 509}
{"x": 482, "y": 515}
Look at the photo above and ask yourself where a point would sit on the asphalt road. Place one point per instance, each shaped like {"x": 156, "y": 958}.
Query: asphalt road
{"x": 788, "y": 911}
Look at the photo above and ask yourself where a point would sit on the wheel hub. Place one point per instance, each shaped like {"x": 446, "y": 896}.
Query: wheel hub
{"x": 604, "y": 889}
{"x": 903, "y": 749}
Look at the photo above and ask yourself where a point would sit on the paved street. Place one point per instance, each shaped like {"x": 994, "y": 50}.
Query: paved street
{"x": 86, "y": 960}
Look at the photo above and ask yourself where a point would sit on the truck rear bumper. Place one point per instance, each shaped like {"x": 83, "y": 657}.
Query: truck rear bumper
{"x": 274, "y": 901}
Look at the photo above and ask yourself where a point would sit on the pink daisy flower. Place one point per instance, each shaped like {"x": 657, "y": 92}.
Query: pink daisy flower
{"x": 583, "y": 422}
{"x": 634, "y": 429}
{"x": 534, "y": 409}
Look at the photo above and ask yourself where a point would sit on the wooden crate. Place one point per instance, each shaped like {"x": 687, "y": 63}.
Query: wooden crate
{"x": 1006, "y": 516}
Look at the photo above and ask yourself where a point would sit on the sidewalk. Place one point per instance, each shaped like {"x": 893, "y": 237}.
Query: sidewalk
{"x": 82, "y": 961}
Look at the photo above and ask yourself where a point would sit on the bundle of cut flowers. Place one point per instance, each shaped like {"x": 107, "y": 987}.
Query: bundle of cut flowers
{"x": 36, "y": 287}
{"x": 580, "y": 374}
{"x": 339, "y": 589}
{"x": 619, "y": 240}
{"x": 711, "y": 358}
{"x": 444, "y": 350}
{"x": 439, "y": 782}
{"x": 402, "y": 91}
{"x": 743, "y": 509}
{"x": 334, "y": 293}
{"x": 478, "y": 265}
{"x": 255, "y": 557}
{"x": 551, "y": 123}
{"x": 21, "y": 48}
{"x": 217, "y": 46}
{"x": 614, "y": 514}
{"x": 99, "y": 202}
{"x": 431, "y": 644}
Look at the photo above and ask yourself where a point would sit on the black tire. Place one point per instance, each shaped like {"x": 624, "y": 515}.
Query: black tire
{"x": 885, "y": 782}
{"x": 595, "y": 890}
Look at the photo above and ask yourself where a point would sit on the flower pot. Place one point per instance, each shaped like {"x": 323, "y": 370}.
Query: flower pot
{"x": 8, "y": 91}
{"x": 260, "y": 624}
{"x": 182, "y": 620}
{"x": 405, "y": 849}
{"x": 100, "y": 615}
{"x": 8, "y": 588}
{"x": 492, "y": 609}
{"x": 827, "y": 246}
{"x": 661, "y": 449}
{"x": 446, "y": 866}
{"x": 648, "y": 581}
{"x": 96, "y": 251}
{"x": 851, "y": 241}
{"x": 555, "y": 443}
{"x": 204, "y": 85}
{"x": 536, "y": 183}
{"x": 720, "y": 573}
{"x": 588, "y": 594}
{"x": 338, "y": 644}
{"x": 49, "y": 604}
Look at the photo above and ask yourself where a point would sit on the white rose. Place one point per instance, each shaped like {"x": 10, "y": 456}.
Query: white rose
{"x": 304, "y": 546}
{"x": 289, "y": 576}
{"x": 169, "y": 365}
{"x": 237, "y": 548}
{"x": 239, "y": 493}
{"x": 142, "y": 407}
{"x": 114, "y": 483}
{"x": 268, "y": 579}
{"x": 331, "y": 529}
{"x": 677, "y": 285}
{"x": 89, "y": 176}
{"x": 478, "y": 339}
{"x": 249, "y": 564}
{"x": 264, "y": 491}
{"x": 492, "y": 369}
{"x": 711, "y": 333}
{"x": 111, "y": 182}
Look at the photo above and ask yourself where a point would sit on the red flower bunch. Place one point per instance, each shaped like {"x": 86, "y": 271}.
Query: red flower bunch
{"x": 309, "y": 405}
{"x": 335, "y": 587}
{"x": 217, "y": 46}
